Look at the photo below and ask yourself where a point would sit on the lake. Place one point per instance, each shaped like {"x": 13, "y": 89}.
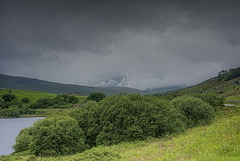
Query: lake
{"x": 9, "y": 129}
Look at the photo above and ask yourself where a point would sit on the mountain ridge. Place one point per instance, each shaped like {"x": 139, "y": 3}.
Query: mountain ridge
{"x": 24, "y": 83}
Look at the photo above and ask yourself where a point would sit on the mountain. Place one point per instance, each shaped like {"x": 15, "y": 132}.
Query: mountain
{"x": 226, "y": 84}
{"x": 16, "y": 82}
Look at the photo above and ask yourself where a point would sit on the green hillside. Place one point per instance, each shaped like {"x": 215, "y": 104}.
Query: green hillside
{"x": 224, "y": 88}
{"x": 228, "y": 89}
{"x": 226, "y": 84}
{"x": 11, "y": 82}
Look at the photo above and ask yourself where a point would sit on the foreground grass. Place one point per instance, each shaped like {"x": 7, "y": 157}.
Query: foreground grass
{"x": 218, "y": 141}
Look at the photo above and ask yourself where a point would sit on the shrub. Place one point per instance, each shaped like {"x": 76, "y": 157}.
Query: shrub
{"x": 126, "y": 118}
{"x": 19, "y": 104}
{"x": 2, "y": 104}
{"x": 12, "y": 111}
{"x": 45, "y": 102}
{"x": 96, "y": 96}
{"x": 196, "y": 110}
{"x": 135, "y": 117}
{"x": 27, "y": 110}
{"x": 35, "y": 106}
{"x": 73, "y": 99}
{"x": 62, "y": 98}
{"x": 8, "y": 97}
{"x": 25, "y": 100}
{"x": 23, "y": 140}
{"x": 212, "y": 99}
{"x": 88, "y": 118}
{"x": 56, "y": 135}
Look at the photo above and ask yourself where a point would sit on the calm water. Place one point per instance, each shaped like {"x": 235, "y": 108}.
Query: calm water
{"x": 9, "y": 129}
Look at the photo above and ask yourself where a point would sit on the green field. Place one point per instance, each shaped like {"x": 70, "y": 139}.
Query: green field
{"x": 218, "y": 141}
{"x": 33, "y": 96}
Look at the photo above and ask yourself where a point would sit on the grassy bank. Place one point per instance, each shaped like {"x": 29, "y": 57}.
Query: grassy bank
{"x": 218, "y": 141}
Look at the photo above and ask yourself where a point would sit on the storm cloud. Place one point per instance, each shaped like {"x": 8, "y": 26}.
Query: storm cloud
{"x": 139, "y": 44}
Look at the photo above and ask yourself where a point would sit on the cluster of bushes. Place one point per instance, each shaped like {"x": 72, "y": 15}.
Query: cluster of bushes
{"x": 126, "y": 118}
{"x": 56, "y": 135}
{"x": 10, "y": 107}
{"x": 61, "y": 101}
{"x": 113, "y": 120}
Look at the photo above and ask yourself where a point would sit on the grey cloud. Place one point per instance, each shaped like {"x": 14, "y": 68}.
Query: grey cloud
{"x": 140, "y": 44}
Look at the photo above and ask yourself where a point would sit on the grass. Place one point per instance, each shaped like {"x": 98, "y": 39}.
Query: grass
{"x": 33, "y": 96}
{"x": 236, "y": 98}
{"x": 218, "y": 141}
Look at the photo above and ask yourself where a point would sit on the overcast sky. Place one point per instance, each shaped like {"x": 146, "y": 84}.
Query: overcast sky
{"x": 133, "y": 43}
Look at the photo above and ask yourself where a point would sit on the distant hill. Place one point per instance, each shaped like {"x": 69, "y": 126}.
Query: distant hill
{"x": 226, "y": 84}
{"x": 13, "y": 82}
{"x": 230, "y": 89}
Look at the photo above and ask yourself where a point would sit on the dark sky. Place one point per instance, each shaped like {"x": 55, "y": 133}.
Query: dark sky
{"x": 140, "y": 44}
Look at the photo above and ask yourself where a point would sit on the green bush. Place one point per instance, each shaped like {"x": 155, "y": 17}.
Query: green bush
{"x": 96, "y": 96}
{"x": 126, "y": 118}
{"x": 73, "y": 99}
{"x": 88, "y": 118}
{"x": 196, "y": 110}
{"x": 45, "y": 102}
{"x": 12, "y": 111}
{"x": 23, "y": 140}
{"x": 61, "y": 101}
{"x": 56, "y": 135}
{"x": 2, "y": 104}
{"x": 212, "y": 99}
{"x": 14, "y": 102}
{"x": 26, "y": 110}
{"x": 35, "y": 106}
{"x": 8, "y": 97}
{"x": 65, "y": 98}
{"x": 61, "y": 98}
{"x": 25, "y": 100}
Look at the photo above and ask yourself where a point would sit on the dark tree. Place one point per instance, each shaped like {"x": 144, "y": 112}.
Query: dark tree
{"x": 96, "y": 96}
{"x": 45, "y": 102}
{"x": 73, "y": 99}
{"x": 25, "y": 100}
{"x": 8, "y": 97}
